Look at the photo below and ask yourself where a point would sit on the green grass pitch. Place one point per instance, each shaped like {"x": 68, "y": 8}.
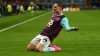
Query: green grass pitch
{"x": 86, "y": 42}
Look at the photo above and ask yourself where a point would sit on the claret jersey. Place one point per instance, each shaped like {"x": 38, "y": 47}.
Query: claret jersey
{"x": 53, "y": 27}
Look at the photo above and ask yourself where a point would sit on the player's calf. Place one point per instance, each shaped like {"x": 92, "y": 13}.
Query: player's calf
{"x": 40, "y": 48}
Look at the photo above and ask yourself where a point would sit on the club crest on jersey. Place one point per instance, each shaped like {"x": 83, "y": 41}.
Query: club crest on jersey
{"x": 57, "y": 18}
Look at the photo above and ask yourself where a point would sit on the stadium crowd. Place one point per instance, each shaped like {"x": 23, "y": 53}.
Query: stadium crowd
{"x": 17, "y": 7}
{"x": 10, "y": 7}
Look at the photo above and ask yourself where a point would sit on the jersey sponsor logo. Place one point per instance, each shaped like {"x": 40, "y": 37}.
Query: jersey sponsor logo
{"x": 50, "y": 23}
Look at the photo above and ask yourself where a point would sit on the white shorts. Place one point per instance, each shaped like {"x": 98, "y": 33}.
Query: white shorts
{"x": 44, "y": 40}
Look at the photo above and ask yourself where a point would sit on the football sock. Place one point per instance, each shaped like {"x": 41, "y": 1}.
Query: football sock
{"x": 48, "y": 49}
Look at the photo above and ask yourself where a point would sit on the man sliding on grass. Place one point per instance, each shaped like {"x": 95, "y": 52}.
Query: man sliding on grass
{"x": 42, "y": 42}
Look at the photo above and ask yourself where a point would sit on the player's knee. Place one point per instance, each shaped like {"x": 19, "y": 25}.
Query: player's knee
{"x": 30, "y": 49}
{"x": 39, "y": 49}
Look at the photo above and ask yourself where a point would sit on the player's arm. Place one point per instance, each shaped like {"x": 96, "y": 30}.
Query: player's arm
{"x": 65, "y": 24}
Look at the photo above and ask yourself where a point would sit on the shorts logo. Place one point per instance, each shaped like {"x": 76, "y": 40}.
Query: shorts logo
{"x": 45, "y": 40}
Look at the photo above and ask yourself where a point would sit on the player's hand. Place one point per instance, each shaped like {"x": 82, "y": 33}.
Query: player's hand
{"x": 75, "y": 28}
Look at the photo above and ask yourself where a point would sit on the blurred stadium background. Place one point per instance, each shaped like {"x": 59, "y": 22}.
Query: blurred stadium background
{"x": 15, "y": 35}
{"x": 19, "y": 6}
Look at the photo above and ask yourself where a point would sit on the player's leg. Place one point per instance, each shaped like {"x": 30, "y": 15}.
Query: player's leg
{"x": 43, "y": 45}
{"x": 39, "y": 47}
{"x": 32, "y": 45}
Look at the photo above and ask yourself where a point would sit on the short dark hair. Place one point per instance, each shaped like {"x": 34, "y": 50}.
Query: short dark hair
{"x": 59, "y": 4}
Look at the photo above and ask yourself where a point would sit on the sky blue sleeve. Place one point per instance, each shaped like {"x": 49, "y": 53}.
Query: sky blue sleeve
{"x": 65, "y": 24}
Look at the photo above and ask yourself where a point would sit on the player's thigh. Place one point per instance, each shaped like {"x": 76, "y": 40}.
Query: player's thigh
{"x": 44, "y": 42}
{"x": 34, "y": 42}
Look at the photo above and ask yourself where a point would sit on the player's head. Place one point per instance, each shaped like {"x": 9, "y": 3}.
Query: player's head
{"x": 57, "y": 7}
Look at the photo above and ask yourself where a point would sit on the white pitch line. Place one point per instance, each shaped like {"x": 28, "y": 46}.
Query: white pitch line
{"x": 22, "y": 22}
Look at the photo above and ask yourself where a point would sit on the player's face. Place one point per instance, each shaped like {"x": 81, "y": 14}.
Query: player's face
{"x": 56, "y": 8}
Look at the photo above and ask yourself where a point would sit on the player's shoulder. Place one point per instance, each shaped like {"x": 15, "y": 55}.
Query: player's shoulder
{"x": 64, "y": 19}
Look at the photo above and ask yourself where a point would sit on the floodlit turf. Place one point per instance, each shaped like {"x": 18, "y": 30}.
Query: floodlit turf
{"x": 85, "y": 42}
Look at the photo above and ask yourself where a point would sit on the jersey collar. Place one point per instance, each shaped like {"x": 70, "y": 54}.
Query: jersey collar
{"x": 60, "y": 14}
